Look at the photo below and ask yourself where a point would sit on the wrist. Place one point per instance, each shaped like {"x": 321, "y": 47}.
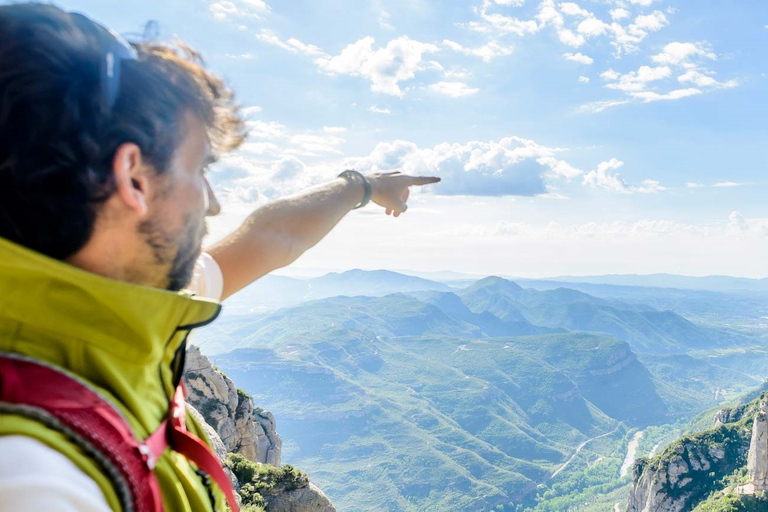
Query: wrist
{"x": 352, "y": 176}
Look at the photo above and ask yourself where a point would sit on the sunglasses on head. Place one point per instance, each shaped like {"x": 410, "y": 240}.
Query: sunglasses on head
{"x": 114, "y": 50}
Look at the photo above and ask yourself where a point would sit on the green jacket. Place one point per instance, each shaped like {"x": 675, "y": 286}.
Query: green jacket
{"x": 121, "y": 338}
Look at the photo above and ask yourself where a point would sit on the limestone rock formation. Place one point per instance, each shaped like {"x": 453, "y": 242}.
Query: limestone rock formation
{"x": 233, "y": 425}
{"x": 305, "y": 499}
{"x": 671, "y": 482}
{"x": 757, "y": 459}
{"x": 230, "y": 412}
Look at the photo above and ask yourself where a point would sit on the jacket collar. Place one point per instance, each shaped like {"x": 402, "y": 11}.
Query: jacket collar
{"x": 124, "y": 338}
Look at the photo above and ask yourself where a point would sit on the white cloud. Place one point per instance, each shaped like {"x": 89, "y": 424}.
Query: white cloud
{"x": 635, "y": 81}
{"x": 385, "y": 67}
{"x": 249, "y": 111}
{"x": 584, "y": 79}
{"x": 644, "y": 3}
{"x": 240, "y": 56}
{"x": 681, "y": 54}
{"x": 237, "y": 9}
{"x": 314, "y": 145}
{"x": 727, "y": 184}
{"x": 486, "y": 52}
{"x": 649, "y": 96}
{"x": 377, "y": 110}
{"x": 692, "y": 184}
{"x": 573, "y": 9}
{"x": 650, "y": 187}
{"x": 652, "y": 83}
{"x": 569, "y": 38}
{"x": 701, "y": 79}
{"x": 620, "y": 14}
{"x": 287, "y": 168}
{"x": 737, "y": 222}
{"x": 651, "y": 22}
{"x": 265, "y": 129}
{"x": 599, "y": 106}
{"x": 592, "y": 27}
{"x": 511, "y": 166}
{"x": 510, "y": 3}
{"x": 606, "y": 177}
{"x": 579, "y": 57}
{"x": 453, "y": 89}
{"x": 292, "y": 45}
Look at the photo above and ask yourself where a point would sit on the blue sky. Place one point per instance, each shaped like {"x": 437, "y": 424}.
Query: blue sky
{"x": 585, "y": 137}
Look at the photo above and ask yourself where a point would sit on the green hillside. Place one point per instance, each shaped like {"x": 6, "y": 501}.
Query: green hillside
{"x": 489, "y": 398}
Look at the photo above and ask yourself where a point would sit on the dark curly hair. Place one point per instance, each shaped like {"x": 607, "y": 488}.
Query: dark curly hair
{"x": 57, "y": 141}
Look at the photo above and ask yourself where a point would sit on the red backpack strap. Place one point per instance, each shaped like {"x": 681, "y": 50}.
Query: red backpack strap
{"x": 67, "y": 404}
{"x": 195, "y": 450}
{"x": 173, "y": 433}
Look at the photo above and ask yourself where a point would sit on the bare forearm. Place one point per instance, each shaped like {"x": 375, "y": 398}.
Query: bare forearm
{"x": 277, "y": 233}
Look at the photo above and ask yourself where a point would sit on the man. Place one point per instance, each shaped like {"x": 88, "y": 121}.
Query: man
{"x": 103, "y": 153}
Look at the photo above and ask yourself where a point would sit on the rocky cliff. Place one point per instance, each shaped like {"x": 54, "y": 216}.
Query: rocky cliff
{"x": 243, "y": 429}
{"x": 234, "y": 426}
{"x": 707, "y": 471}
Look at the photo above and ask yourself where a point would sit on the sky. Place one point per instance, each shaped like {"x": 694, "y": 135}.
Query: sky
{"x": 572, "y": 138}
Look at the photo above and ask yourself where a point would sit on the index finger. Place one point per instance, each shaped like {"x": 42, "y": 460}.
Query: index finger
{"x": 424, "y": 180}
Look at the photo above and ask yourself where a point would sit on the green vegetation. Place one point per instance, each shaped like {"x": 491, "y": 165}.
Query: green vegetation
{"x": 260, "y": 480}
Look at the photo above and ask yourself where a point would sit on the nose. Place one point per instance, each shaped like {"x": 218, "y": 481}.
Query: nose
{"x": 214, "y": 208}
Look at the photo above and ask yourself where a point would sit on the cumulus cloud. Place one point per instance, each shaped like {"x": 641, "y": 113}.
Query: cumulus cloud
{"x": 683, "y": 54}
{"x": 511, "y": 166}
{"x": 334, "y": 129}
{"x": 377, "y": 110}
{"x": 574, "y": 24}
{"x": 584, "y": 79}
{"x": 453, "y": 89}
{"x": 606, "y": 177}
{"x": 678, "y": 63}
{"x": 385, "y": 67}
{"x": 579, "y": 57}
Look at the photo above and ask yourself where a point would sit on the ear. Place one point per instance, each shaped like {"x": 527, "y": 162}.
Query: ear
{"x": 131, "y": 180}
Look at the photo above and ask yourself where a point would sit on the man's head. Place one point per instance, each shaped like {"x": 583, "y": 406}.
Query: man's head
{"x": 116, "y": 189}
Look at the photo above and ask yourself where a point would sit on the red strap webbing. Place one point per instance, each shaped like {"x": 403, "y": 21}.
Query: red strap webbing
{"x": 92, "y": 419}
{"x": 190, "y": 446}
{"x": 70, "y": 406}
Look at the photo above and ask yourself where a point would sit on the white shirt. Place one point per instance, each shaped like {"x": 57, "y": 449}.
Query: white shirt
{"x": 37, "y": 478}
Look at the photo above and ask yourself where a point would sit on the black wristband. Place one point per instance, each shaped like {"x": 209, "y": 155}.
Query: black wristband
{"x": 352, "y": 175}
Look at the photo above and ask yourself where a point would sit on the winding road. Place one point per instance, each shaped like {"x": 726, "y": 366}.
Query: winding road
{"x": 578, "y": 449}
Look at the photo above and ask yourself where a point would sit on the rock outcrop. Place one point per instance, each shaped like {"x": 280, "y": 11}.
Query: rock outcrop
{"x": 307, "y": 498}
{"x": 230, "y": 412}
{"x": 692, "y": 470}
{"x": 233, "y": 425}
{"x": 757, "y": 458}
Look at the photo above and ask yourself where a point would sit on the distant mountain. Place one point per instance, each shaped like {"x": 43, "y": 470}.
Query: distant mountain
{"x": 645, "y": 329}
{"x": 746, "y": 310}
{"x": 371, "y": 283}
{"x": 275, "y": 292}
{"x": 712, "y": 283}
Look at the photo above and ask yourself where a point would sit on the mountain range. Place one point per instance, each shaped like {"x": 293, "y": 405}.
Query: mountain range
{"x": 443, "y": 398}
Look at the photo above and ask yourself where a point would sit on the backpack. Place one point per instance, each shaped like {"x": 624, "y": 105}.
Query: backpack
{"x": 67, "y": 404}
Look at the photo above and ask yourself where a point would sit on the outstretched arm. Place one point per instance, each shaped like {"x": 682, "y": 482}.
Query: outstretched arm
{"x": 276, "y": 234}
